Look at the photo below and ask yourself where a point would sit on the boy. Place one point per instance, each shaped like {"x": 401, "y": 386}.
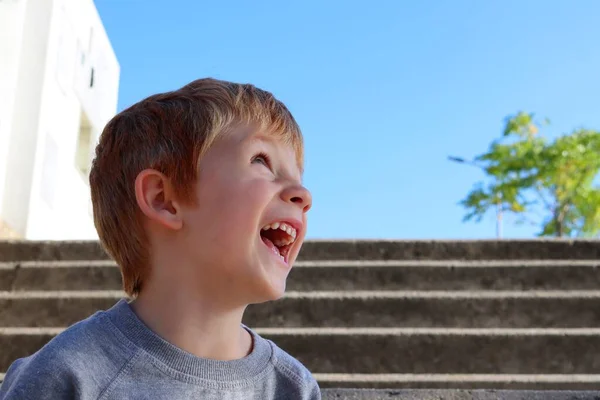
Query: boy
{"x": 197, "y": 195}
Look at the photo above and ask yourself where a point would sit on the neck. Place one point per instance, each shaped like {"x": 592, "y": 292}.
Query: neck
{"x": 199, "y": 326}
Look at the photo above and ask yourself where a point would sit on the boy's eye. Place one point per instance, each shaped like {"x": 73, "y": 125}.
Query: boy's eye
{"x": 263, "y": 159}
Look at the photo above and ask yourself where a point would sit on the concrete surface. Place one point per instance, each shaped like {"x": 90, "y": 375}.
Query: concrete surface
{"x": 351, "y": 250}
{"x": 565, "y": 309}
{"x": 395, "y": 350}
{"x": 442, "y": 314}
{"x": 340, "y": 275}
{"x": 460, "y": 381}
{"x": 335, "y": 394}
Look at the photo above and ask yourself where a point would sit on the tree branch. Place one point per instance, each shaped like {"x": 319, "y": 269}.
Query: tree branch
{"x": 541, "y": 195}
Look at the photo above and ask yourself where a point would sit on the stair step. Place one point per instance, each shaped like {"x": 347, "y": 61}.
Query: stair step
{"x": 558, "y": 384}
{"x": 443, "y": 350}
{"x": 458, "y": 381}
{"x": 370, "y": 314}
{"x": 458, "y": 394}
{"x": 339, "y": 275}
{"x": 581, "y": 249}
{"x": 485, "y": 309}
{"x": 548, "y": 387}
{"x": 402, "y": 350}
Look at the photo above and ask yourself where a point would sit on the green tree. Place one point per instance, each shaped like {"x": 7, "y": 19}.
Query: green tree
{"x": 550, "y": 184}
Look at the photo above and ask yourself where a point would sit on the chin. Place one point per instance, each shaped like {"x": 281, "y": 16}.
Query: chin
{"x": 269, "y": 290}
{"x": 277, "y": 294}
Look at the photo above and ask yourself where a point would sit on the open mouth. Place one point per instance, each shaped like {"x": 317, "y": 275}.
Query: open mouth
{"x": 279, "y": 237}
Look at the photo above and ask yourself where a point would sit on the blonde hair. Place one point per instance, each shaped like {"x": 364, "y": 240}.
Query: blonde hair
{"x": 170, "y": 132}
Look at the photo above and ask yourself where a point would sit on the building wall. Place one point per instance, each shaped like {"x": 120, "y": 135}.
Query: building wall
{"x": 47, "y": 194}
{"x": 24, "y": 122}
{"x": 12, "y": 15}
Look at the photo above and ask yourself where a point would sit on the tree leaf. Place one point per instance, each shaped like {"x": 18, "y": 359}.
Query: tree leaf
{"x": 532, "y": 178}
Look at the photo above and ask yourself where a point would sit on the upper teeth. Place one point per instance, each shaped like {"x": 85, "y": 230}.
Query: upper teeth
{"x": 284, "y": 227}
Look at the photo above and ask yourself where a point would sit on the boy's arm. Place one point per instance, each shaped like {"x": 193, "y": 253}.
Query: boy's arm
{"x": 26, "y": 379}
{"x": 315, "y": 392}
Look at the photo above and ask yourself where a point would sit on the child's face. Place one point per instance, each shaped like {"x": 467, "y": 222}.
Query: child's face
{"x": 246, "y": 183}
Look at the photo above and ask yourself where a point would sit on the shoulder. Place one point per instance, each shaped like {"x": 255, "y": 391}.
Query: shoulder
{"x": 77, "y": 363}
{"x": 297, "y": 374}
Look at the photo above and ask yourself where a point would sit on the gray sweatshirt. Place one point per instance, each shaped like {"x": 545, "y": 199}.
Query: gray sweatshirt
{"x": 113, "y": 355}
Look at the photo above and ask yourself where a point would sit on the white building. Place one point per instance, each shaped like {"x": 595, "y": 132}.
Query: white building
{"x": 59, "y": 81}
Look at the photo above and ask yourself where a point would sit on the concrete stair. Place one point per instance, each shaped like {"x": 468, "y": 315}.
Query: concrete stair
{"x": 411, "y": 394}
{"x": 369, "y": 314}
{"x": 347, "y": 309}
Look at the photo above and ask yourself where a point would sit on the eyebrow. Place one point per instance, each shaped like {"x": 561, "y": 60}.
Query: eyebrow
{"x": 262, "y": 137}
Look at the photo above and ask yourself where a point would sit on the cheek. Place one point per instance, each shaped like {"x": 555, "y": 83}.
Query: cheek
{"x": 232, "y": 208}
{"x": 247, "y": 209}
{"x": 300, "y": 239}
{"x": 218, "y": 195}
{"x": 304, "y": 230}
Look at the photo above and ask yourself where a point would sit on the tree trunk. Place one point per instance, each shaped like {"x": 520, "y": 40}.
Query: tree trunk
{"x": 559, "y": 220}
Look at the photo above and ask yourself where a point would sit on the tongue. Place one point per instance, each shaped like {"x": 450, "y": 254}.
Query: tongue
{"x": 270, "y": 245}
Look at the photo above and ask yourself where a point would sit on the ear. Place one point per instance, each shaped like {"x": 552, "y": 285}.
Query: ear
{"x": 156, "y": 198}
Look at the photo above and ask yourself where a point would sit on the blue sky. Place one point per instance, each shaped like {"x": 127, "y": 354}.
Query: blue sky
{"x": 383, "y": 90}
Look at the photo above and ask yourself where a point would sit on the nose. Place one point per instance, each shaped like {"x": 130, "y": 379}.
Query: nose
{"x": 298, "y": 195}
